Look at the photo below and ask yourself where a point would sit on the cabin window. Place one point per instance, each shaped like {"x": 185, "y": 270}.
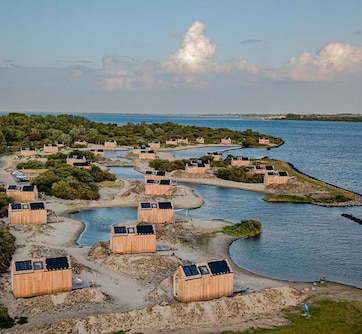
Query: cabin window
{"x": 25, "y": 206}
{"x": 130, "y": 230}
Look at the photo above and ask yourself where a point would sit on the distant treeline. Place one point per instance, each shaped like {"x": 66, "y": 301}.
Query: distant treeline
{"x": 329, "y": 118}
{"x": 20, "y": 130}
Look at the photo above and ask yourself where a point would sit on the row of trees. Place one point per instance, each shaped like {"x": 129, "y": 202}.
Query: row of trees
{"x": 20, "y": 130}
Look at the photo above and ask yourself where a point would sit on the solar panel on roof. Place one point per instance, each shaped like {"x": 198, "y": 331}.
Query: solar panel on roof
{"x": 37, "y": 206}
{"x": 12, "y": 187}
{"x": 165, "y": 182}
{"x": 270, "y": 173}
{"x": 190, "y": 270}
{"x": 150, "y": 181}
{"x": 161, "y": 173}
{"x": 120, "y": 229}
{"x": 219, "y": 267}
{"x": 145, "y": 205}
{"x": 148, "y": 172}
{"x": 16, "y": 206}
{"x": 283, "y": 173}
{"x": 28, "y": 188}
{"x": 164, "y": 205}
{"x": 57, "y": 263}
{"x": 145, "y": 229}
{"x": 23, "y": 265}
{"x": 269, "y": 168}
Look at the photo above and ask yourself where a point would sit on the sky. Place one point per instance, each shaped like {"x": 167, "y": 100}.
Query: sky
{"x": 181, "y": 56}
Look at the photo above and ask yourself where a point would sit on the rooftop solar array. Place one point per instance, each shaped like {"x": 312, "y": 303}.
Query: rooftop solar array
{"x": 57, "y": 263}
{"x": 119, "y": 229}
{"x": 269, "y": 167}
{"x": 37, "y": 206}
{"x": 190, "y": 270}
{"x": 23, "y": 265}
{"x": 219, "y": 267}
{"x": 165, "y": 205}
{"x": 146, "y": 205}
{"x": 12, "y": 187}
{"x": 283, "y": 173}
{"x": 271, "y": 173}
{"x": 151, "y": 181}
{"x": 144, "y": 229}
{"x": 28, "y": 188}
{"x": 16, "y": 206}
{"x": 79, "y": 164}
{"x": 165, "y": 182}
{"x": 161, "y": 173}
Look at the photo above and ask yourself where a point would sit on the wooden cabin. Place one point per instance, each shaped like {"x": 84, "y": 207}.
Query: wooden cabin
{"x": 154, "y": 144}
{"x": 158, "y": 187}
{"x": 42, "y": 276}
{"x": 147, "y": 154}
{"x": 133, "y": 239}
{"x": 154, "y": 175}
{"x": 240, "y": 161}
{"x": 155, "y": 212}
{"x": 28, "y": 151}
{"x": 203, "y": 281}
{"x": 71, "y": 159}
{"x": 225, "y": 141}
{"x": 197, "y": 167}
{"x": 83, "y": 165}
{"x": 97, "y": 152}
{"x": 171, "y": 141}
{"x": 27, "y": 213}
{"x": 110, "y": 143}
{"x": 50, "y": 148}
{"x": 280, "y": 177}
{"x": 200, "y": 140}
{"x": 182, "y": 140}
{"x": 80, "y": 143}
{"x": 22, "y": 193}
{"x": 137, "y": 149}
{"x": 216, "y": 156}
{"x": 60, "y": 144}
{"x": 264, "y": 141}
{"x": 260, "y": 169}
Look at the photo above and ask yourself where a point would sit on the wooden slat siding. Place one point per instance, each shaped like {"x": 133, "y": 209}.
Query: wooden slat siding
{"x": 70, "y": 161}
{"x": 275, "y": 179}
{"x": 31, "y": 283}
{"x": 18, "y": 217}
{"x": 195, "y": 169}
{"x": 154, "y": 145}
{"x": 110, "y": 144}
{"x": 154, "y": 215}
{"x": 27, "y": 153}
{"x": 202, "y": 287}
{"x": 240, "y": 162}
{"x": 157, "y": 189}
{"x": 147, "y": 155}
{"x": 132, "y": 243}
{"x": 153, "y": 177}
{"x": 50, "y": 149}
{"x": 23, "y": 196}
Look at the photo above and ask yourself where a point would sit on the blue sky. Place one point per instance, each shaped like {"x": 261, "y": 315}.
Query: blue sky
{"x": 191, "y": 57}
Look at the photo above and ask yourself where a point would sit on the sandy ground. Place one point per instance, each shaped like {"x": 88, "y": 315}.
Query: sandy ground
{"x": 134, "y": 292}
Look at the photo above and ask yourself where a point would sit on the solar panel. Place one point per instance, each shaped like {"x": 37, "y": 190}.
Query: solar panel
{"x": 271, "y": 173}
{"x": 16, "y": 206}
{"x": 145, "y": 205}
{"x": 28, "y": 188}
{"x": 161, "y": 173}
{"x": 148, "y": 172}
{"x": 164, "y": 205}
{"x": 57, "y": 263}
{"x": 12, "y": 187}
{"x": 144, "y": 229}
{"x": 150, "y": 181}
{"x": 165, "y": 182}
{"x": 283, "y": 173}
{"x": 119, "y": 229}
{"x": 37, "y": 206}
{"x": 23, "y": 265}
{"x": 269, "y": 168}
{"x": 219, "y": 267}
{"x": 190, "y": 270}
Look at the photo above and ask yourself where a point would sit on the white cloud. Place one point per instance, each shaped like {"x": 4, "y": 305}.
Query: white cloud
{"x": 332, "y": 61}
{"x": 243, "y": 65}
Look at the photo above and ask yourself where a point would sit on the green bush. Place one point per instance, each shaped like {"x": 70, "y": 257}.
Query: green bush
{"x": 7, "y": 248}
{"x": 31, "y": 164}
{"x": 246, "y": 228}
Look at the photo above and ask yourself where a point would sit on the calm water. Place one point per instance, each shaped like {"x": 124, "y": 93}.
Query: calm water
{"x": 299, "y": 242}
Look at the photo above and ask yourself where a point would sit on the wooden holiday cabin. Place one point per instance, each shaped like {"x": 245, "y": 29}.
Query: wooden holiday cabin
{"x": 71, "y": 159}
{"x": 203, "y": 281}
{"x": 158, "y": 187}
{"x": 154, "y": 175}
{"x": 171, "y": 141}
{"x": 197, "y": 167}
{"x": 182, "y": 140}
{"x": 216, "y": 156}
{"x": 133, "y": 239}
{"x": 240, "y": 161}
{"x": 110, "y": 143}
{"x": 154, "y": 144}
{"x": 27, "y": 213}
{"x": 28, "y": 151}
{"x": 50, "y": 148}
{"x": 147, "y": 154}
{"x": 137, "y": 149}
{"x": 97, "y": 152}
{"x": 42, "y": 276}
{"x": 60, "y": 144}
{"x": 260, "y": 169}
{"x": 226, "y": 140}
{"x": 22, "y": 193}
{"x": 200, "y": 140}
{"x": 264, "y": 141}
{"x": 155, "y": 212}
{"x": 80, "y": 143}
{"x": 280, "y": 177}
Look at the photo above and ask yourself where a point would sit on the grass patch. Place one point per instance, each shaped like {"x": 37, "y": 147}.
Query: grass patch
{"x": 326, "y": 316}
{"x": 110, "y": 184}
{"x": 246, "y": 228}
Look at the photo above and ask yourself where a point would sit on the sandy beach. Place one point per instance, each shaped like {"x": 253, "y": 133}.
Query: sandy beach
{"x": 134, "y": 292}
